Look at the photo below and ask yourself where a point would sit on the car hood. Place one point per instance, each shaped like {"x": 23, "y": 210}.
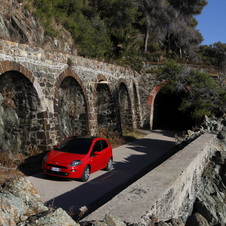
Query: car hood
{"x": 63, "y": 157}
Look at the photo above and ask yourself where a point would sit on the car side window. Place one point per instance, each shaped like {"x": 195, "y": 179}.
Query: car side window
{"x": 104, "y": 144}
{"x": 97, "y": 146}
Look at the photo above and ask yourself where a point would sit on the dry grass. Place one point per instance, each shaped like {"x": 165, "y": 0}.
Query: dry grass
{"x": 20, "y": 164}
{"x": 33, "y": 151}
{"x": 133, "y": 134}
{"x": 7, "y": 173}
{"x": 116, "y": 140}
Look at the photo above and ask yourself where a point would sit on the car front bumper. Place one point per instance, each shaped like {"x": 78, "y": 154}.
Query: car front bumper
{"x": 62, "y": 171}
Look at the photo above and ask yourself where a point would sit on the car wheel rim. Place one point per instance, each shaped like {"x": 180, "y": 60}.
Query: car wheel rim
{"x": 87, "y": 174}
{"x": 109, "y": 164}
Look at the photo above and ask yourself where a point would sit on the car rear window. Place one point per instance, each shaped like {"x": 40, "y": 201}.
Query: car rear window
{"x": 73, "y": 145}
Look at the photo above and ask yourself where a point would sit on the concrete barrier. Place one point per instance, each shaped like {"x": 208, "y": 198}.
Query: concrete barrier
{"x": 168, "y": 191}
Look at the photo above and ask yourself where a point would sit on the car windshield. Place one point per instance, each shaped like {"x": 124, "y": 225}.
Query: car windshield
{"x": 75, "y": 145}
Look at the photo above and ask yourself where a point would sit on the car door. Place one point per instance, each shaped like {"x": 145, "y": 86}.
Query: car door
{"x": 96, "y": 160}
{"x": 105, "y": 152}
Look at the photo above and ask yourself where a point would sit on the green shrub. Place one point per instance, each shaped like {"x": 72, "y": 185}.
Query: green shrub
{"x": 201, "y": 95}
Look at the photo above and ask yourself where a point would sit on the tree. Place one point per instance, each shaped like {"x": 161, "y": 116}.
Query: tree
{"x": 184, "y": 40}
{"x": 206, "y": 55}
{"x": 125, "y": 48}
{"x": 201, "y": 94}
{"x": 219, "y": 50}
{"x": 214, "y": 55}
{"x": 154, "y": 14}
{"x": 180, "y": 26}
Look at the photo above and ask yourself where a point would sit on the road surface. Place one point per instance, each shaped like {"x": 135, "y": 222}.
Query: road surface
{"x": 130, "y": 162}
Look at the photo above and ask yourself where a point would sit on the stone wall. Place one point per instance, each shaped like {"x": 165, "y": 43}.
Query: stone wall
{"x": 168, "y": 191}
{"x": 47, "y": 111}
{"x": 185, "y": 179}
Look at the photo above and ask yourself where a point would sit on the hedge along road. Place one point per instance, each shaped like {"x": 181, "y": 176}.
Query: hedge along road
{"x": 130, "y": 162}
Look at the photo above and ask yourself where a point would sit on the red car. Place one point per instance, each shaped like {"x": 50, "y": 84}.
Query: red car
{"x": 77, "y": 157}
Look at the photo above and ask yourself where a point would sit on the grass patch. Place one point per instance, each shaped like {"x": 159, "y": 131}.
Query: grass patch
{"x": 133, "y": 135}
{"x": 116, "y": 140}
{"x": 8, "y": 173}
{"x": 22, "y": 164}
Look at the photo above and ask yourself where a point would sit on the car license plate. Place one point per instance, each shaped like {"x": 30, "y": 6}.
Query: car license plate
{"x": 55, "y": 169}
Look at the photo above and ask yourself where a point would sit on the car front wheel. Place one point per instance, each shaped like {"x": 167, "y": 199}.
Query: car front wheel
{"x": 86, "y": 173}
{"x": 109, "y": 165}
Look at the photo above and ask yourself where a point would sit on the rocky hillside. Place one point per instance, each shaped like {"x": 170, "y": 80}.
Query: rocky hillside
{"x": 18, "y": 25}
{"x": 21, "y": 205}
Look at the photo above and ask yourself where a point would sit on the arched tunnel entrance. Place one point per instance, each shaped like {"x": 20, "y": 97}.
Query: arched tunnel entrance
{"x": 106, "y": 115}
{"x": 125, "y": 107}
{"x": 19, "y": 106}
{"x": 72, "y": 108}
{"x": 167, "y": 114}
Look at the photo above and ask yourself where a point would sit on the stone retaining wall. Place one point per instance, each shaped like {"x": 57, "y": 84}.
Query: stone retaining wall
{"x": 45, "y": 73}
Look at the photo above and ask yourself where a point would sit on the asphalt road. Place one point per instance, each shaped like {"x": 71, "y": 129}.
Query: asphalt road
{"x": 130, "y": 162}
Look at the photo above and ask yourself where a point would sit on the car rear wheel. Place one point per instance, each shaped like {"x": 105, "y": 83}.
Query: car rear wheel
{"x": 86, "y": 173}
{"x": 109, "y": 165}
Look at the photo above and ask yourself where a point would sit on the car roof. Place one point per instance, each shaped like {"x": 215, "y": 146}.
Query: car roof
{"x": 86, "y": 137}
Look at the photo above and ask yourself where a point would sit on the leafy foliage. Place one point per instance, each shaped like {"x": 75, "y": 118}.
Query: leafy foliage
{"x": 214, "y": 55}
{"x": 125, "y": 32}
{"x": 201, "y": 93}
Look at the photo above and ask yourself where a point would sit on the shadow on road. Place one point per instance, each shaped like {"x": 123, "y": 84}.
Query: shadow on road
{"x": 146, "y": 155}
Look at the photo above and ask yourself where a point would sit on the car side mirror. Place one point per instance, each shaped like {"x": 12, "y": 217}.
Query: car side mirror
{"x": 96, "y": 153}
{"x": 54, "y": 146}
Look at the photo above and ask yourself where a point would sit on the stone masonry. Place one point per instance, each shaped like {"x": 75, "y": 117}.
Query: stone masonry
{"x": 46, "y": 77}
{"x": 47, "y": 96}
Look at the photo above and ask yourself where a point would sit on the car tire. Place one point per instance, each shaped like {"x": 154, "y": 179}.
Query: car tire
{"x": 109, "y": 165}
{"x": 86, "y": 173}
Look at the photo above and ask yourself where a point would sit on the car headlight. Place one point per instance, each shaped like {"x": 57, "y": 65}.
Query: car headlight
{"x": 75, "y": 163}
{"x": 45, "y": 158}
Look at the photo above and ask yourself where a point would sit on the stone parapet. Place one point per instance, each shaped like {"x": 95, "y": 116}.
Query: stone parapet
{"x": 168, "y": 191}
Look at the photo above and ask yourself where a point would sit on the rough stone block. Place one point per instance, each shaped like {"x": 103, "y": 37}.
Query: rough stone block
{"x": 47, "y": 142}
{"x": 8, "y": 65}
{"x": 3, "y": 66}
{"x": 1, "y": 69}
{"x": 43, "y": 114}
{"x": 46, "y": 127}
{"x": 43, "y": 135}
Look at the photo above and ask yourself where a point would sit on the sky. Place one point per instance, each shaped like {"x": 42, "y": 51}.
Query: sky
{"x": 212, "y": 22}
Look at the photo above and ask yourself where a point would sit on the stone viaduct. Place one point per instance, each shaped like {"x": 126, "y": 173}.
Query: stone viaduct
{"x": 47, "y": 96}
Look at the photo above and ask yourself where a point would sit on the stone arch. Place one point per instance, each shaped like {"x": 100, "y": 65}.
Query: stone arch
{"x": 125, "y": 105}
{"x": 151, "y": 101}
{"x": 137, "y": 110}
{"x": 104, "y": 105}
{"x": 163, "y": 108}
{"x": 14, "y": 66}
{"x": 24, "y": 125}
{"x": 77, "y": 108}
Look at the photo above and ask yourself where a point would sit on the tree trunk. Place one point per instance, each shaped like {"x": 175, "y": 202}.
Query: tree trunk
{"x": 146, "y": 40}
{"x": 180, "y": 51}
